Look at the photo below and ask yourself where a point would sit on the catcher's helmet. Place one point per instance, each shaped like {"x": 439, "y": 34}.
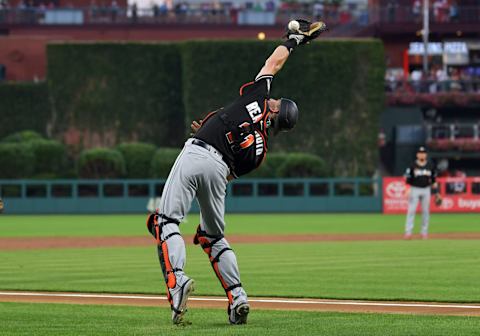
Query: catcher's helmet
{"x": 287, "y": 116}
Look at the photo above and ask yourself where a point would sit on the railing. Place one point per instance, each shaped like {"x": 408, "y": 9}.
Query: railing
{"x": 433, "y": 86}
{"x": 447, "y": 137}
{"x": 184, "y": 13}
{"x": 225, "y": 13}
{"x": 245, "y": 195}
{"x": 439, "y": 13}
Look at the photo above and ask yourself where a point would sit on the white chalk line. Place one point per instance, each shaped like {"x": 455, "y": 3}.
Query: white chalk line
{"x": 283, "y": 301}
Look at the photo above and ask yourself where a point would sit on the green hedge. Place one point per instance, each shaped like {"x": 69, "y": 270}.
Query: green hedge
{"x": 291, "y": 165}
{"x": 269, "y": 168}
{"x": 99, "y": 163}
{"x": 16, "y": 160}
{"x": 50, "y": 158}
{"x": 302, "y": 165}
{"x": 109, "y": 93}
{"x": 117, "y": 91}
{"x": 24, "y": 106}
{"x": 338, "y": 86}
{"x": 23, "y": 136}
{"x": 163, "y": 161}
{"x": 138, "y": 157}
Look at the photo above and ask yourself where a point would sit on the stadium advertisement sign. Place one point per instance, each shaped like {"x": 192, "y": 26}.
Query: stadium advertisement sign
{"x": 459, "y": 195}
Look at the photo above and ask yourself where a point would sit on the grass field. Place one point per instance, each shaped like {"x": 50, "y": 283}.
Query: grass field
{"x": 413, "y": 270}
{"x": 261, "y": 224}
{"x": 432, "y": 270}
{"x": 61, "y": 319}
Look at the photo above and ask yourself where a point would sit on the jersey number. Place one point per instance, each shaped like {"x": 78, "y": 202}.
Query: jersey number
{"x": 254, "y": 111}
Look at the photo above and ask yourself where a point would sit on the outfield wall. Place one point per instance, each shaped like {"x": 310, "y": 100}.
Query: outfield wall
{"x": 243, "y": 196}
{"x": 459, "y": 195}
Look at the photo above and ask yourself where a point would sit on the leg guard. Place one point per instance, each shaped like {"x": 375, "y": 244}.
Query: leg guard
{"x": 224, "y": 264}
{"x": 155, "y": 225}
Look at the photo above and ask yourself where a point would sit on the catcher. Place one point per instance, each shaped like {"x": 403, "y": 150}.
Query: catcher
{"x": 421, "y": 176}
{"x": 226, "y": 144}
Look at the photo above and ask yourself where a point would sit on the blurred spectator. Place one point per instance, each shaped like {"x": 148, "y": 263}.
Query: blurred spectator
{"x": 270, "y": 6}
{"x": 163, "y": 9}
{"x": 391, "y": 10}
{"x": 155, "y": 11}
{"x": 417, "y": 10}
{"x": 453, "y": 12}
{"x": 416, "y": 77}
{"x": 134, "y": 12}
{"x": 93, "y": 10}
{"x": 3, "y": 72}
{"x": 114, "y": 10}
{"x": 318, "y": 10}
{"x": 258, "y": 7}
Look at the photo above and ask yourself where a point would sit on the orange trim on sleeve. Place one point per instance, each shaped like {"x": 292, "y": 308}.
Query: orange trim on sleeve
{"x": 244, "y": 86}
{"x": 208, "y": 117}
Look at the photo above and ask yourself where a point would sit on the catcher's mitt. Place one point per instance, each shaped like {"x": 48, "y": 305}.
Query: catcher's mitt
{"x": 438, "y": 200}
{"x": 307, "y": 31}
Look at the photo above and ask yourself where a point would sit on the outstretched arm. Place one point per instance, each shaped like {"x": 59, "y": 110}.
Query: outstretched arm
{"x": 275, "y": 62}
{"x": 301, "y": 32}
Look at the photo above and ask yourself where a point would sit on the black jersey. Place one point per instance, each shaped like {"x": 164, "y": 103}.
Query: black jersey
{"x": 239, "y": 130}
{"x": 421, "y": 176}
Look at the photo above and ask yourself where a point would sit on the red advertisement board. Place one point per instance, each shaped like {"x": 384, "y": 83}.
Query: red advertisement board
{"x": 459, "y": 195}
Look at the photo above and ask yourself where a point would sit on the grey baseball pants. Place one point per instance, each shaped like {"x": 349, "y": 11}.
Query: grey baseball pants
{"x": 201, "y": 173}
{"x": 416, "y": 195}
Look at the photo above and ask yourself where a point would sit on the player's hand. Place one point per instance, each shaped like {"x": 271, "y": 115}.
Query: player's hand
{"x": 438, "y": 200}
{"x": 195, "y": 126}
{"x": 306, "y": 32}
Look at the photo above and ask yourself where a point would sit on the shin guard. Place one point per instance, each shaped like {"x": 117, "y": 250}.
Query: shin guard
{"x": 223, "y": 260}
{"x": 155, "y": 223}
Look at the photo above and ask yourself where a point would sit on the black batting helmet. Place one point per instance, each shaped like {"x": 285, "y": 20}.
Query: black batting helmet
{"x": 287, "y": 116}
{"x": 422, "y": 149}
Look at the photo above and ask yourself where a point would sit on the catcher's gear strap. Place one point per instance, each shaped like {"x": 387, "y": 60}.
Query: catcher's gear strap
{"x": 242, "y": 136}
{"x": 202, "y": 238}
{"x": 156, "y": 221}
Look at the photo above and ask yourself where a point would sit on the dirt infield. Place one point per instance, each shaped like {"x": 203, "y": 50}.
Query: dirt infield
{"x": 89, "y": 242}
{"x": 352, "y": 306}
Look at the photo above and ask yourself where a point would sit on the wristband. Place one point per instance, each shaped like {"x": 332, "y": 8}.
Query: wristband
{"x": 290, "y": 44}
{"x": 435, "y": 190}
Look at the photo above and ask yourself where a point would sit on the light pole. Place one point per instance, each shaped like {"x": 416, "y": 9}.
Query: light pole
{"x": 426, "y": 32}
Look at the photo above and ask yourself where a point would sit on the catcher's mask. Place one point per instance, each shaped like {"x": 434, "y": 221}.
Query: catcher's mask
{"x": 287, "y": 116}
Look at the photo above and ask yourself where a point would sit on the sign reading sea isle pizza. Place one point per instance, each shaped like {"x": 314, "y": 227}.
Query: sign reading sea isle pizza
{"x": 459, "y": 195}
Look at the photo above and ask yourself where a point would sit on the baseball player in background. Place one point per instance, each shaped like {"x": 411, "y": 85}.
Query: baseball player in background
{"x": 227, "y": 143}
{"x": 421, "y": 176}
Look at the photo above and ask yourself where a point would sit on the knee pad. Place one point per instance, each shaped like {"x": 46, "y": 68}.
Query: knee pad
{"x": 207, "y": 241}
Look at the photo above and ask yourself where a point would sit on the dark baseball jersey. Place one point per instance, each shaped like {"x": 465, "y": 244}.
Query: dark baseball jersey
{"x": 239, "y": 130}
{"x": 421, "y": 176}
